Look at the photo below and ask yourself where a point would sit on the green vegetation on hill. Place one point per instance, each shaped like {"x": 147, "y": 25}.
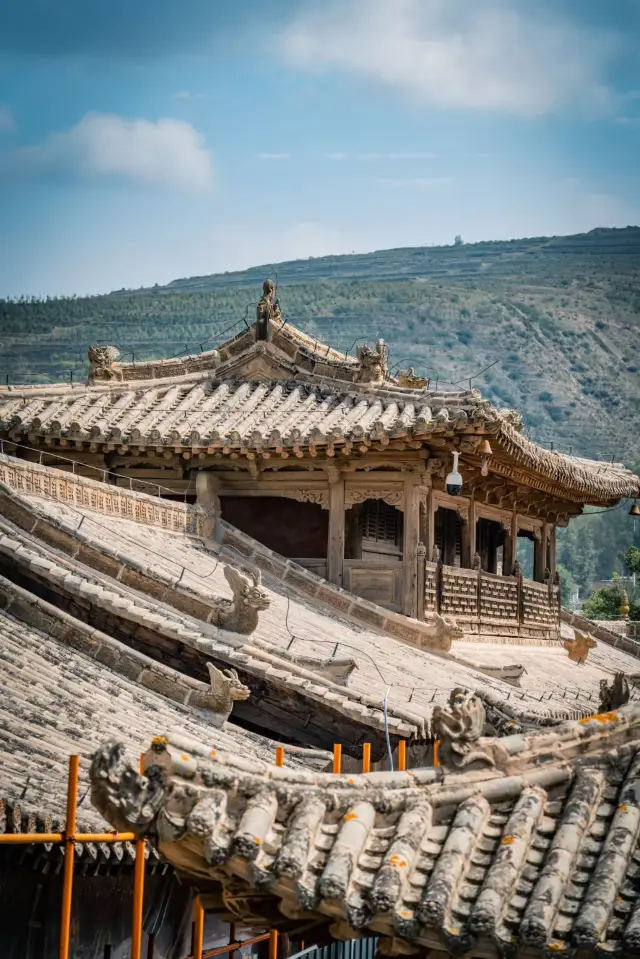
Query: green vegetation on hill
{"x": 558, "y": 317}
{"x": 552, "y": 322}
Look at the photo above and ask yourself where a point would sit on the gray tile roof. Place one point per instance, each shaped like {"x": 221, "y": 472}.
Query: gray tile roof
{"x": 204, "y": 414}
{"x": 523, "y": 846}
{"x": 418, "y": 679}
{"x": 57, "y": 701}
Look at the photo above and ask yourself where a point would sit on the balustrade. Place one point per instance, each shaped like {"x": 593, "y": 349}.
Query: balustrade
{"x": 485, "y": 603}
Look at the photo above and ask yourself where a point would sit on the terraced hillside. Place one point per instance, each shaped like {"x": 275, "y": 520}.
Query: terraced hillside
{"x": 555, "y": 320}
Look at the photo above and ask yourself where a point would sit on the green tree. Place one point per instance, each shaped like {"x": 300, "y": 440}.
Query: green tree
{"x": 458, "y": 241}
{"x": 577, "y": 553}
{"x": 631, "y": 559}
{"x": 568, "y": 586}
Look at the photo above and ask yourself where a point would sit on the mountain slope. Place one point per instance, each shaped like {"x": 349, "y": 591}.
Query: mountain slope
{"x": 555, "y": 319}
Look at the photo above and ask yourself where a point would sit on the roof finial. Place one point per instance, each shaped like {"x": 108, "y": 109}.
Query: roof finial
{"x": 268, "y": 309}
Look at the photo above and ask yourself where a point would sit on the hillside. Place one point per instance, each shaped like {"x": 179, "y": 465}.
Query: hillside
{"x": 556, "y": 320}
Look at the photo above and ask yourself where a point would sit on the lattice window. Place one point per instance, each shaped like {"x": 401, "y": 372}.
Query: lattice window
{"x": 381, "y": 523}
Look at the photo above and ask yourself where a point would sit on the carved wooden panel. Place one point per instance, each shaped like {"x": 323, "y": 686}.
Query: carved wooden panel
{"x": 379, "y": 583}
{"x": 35, "y": 480}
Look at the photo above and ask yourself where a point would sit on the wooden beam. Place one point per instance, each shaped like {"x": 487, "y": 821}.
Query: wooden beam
{"x": 411, "y": 540}
{"x": 335, "y": 544}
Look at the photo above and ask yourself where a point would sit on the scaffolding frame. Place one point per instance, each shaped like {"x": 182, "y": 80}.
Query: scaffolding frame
{"x": 69, "y": 837}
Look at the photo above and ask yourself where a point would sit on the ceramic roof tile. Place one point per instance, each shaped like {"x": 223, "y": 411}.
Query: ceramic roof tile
{"x": 255, "y": 415}
{"x": 521, "y": 846}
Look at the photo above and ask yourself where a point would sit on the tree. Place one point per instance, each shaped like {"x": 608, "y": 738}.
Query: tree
{"x": 577, "y": 553}
{"x": 458, "y": 241}
{"x": 568, "y": 587}
{"x": 631, "y": 560}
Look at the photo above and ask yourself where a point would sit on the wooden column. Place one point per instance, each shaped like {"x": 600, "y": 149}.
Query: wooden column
{"x": 410, "y": 540}
{"x": 545, "y": 547}
{"x": 552, "y": 550}
{"x": 335, "y": 544}
{"x": 510, "y": 558}
{"x": 472, "y": 530}
{"x": 431, "y": 525}
{"x": 538, "y": 556}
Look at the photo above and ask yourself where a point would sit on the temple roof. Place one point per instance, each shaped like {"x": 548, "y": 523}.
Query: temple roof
{"x": 64, "y": 685}
{"x": 198, "y": 413}
{"x": 520, "y": 846}
{"x": 121, "y": 561}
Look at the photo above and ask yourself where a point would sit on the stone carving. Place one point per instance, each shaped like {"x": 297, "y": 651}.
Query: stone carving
{"x": 268, "y": 309}
{"x": 443, "y": 631}
{"x": 374, "y": 362}
{"x": 240, "y": 614}
{"x": 128, "y": 801}
{"x": 615, "y": 695}
{"x": 102, "y": 363}
{"x": 477, "y": 562}
{"x": 578, "y": 647}
{"x": 226, "y": 689}
{"x": 409, "y": 379}
{"x": 459, "y": 729}
{"x": 389, "y": 495}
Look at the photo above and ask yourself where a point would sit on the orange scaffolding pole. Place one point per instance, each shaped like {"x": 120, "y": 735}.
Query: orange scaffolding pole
{"x": 198, "y": 929}
{"x": 273, "y": 944}
{"x": 436, "y": 760}
{"x": 366, "y": 758}
{"x": 69, "y": 850}
{"x": 402, "y": 755}
{"x": 138, "y": 893}
{"x": 221, "y": 950}
{"x": 337, "y": 757}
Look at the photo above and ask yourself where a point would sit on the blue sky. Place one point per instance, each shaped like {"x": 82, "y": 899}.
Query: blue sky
{"x": 144, "y": 140}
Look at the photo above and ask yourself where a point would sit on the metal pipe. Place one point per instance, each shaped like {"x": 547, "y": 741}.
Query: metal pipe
{"x": 220, "y": 950}
{"x": 366, "y": 758}
{"x": 14, "y": 838}
{"x": 138, "y": 892}
{"x": 105, "y": 837}
{"x": 69, "y": 850}
{"x": 273, "y": 944}
{"x": 198, "y": 929}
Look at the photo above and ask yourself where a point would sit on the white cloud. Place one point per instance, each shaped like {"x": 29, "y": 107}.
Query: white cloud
{"x": 274, "y": 156}
{"x": 336, "y": 156}
{"x": 7, "y": 122}
{"x": 458, "y": 54}
{"x": 166, "y": 153}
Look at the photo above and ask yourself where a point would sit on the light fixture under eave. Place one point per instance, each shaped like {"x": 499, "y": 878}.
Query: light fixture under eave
{"x": 485, "y": 452}
{"x": 453, "y": 482}
{"x": 635, "y": 509}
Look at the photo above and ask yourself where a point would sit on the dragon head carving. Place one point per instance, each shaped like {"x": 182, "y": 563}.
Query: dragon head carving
{"x": 459, "y": 728}
{"x": 102, "y": 363}
{"x": 247, "y": 591}
{"x": 226, "y": 686}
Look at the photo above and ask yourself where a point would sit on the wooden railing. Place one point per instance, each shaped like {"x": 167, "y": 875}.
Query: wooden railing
{"x": 484, "y": 603}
